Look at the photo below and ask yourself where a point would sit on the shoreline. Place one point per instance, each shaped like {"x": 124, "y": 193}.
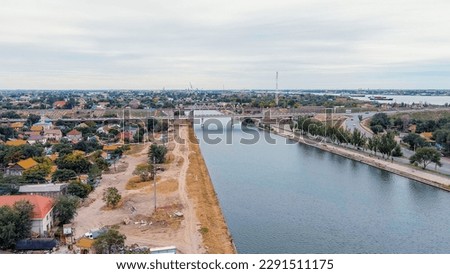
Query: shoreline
{"x": 216, "y": 236}
{"x": 422, "y": 176}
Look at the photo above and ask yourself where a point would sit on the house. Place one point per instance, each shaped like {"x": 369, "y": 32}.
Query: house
{"x": 53, "y": 134}
{"x": 37, "y": 128}
{"x": 16, "y": 143}
{"x": 59, "y": 104}
{"x": 126, "y": 135}
{"x": 109, "y": 150}
{"x": 18, "y": 168}
{"x": 82, "y": 125}
{"x": 45, "y": 123}
{"x": 46, "y": 190}
{"x": 42, "y": 219}
{"x": 134, "y": 103}
{"x": 74, "y": 136}
{"x": 17, "y": 126}
{"x": 37, "y": 139}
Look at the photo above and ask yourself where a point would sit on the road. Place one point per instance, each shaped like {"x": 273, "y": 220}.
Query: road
{"x": 352, "y": 123}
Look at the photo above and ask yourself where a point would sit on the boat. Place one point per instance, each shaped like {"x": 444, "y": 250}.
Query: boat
{"x": 380, "y": 98}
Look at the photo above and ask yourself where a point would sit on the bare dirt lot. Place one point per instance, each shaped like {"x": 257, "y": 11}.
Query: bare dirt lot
{"x": 176, "y": 193}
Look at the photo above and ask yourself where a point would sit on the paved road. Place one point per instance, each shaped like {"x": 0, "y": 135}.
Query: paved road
{"x": 353, "y": 122}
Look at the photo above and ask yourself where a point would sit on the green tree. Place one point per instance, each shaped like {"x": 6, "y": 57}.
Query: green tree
{"x": 442, "y": 137}
{"x": 377, "y": 129}
{"x": 110, "y": 242}
{"x": 76, "y": 162}
{"x": 78, "y": 189}
{"x": 426, "y": 155}
{"x": 15, "y": 223}
{"x": 380, "y": 119}
{"x": 414, "y": 141}
{"x": 32, "y": 119}
{"x": 64, "y": 175}
{"x": 35, "y": 176}
{"x": 397, "y": 151}
{"x": 157, "y": 153}
{"x": 144, "y": 171}
{"x": 111, "y": 196}
{"x": 102, "y": 164}
{"x": 66, "y": 208}
{"x": 387, "y": 144}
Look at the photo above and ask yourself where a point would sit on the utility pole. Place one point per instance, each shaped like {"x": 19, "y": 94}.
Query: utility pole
{"x": 154, "y": 180}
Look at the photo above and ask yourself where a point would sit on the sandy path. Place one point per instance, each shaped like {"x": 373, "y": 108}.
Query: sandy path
{"x": 191, "y": 234}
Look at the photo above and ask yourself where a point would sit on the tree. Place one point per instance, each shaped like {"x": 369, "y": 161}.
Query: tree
{"x": 102, "y": 164}
{"x": 377, "y": 129}
{"x": 110, "y": 242}
{"x": 360, "y": 117}
{"x": 15, "y": 223}
{"x": 157, "y": 153}
{"x": 66, "y": 208}
{"x": 111, "y": 197}
{"x": 397, "y": 151}
{"x": 426, "y": 155}
{"x": 78, "y": 189}
{"x": 414, "y": 141}
{"x": 143, "y": 171}
{"x": 24, "y": 210}
{"x": 380, "y": 119}
{"x": 32, "y": 119}
{"x": 75, "y": 162}
{"x": 64, "y": 175}
{"x": 442, "y": 137}
{"x": 35, "y": 176}
{"x": 387, "y": 144}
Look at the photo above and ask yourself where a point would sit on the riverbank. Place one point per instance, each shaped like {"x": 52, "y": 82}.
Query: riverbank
{"x": 423, "y": 176}
{"x": 216, "y": 236}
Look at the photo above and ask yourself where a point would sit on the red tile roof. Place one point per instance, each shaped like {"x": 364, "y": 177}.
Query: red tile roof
{"x": 42, "y": 205}
{"x": 74, "y": 132}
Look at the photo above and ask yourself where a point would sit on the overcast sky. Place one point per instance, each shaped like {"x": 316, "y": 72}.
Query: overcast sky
{"x": 213, "y": 44}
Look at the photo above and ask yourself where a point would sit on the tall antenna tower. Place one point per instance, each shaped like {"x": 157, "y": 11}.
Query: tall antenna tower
{"x": 276, "y": 89}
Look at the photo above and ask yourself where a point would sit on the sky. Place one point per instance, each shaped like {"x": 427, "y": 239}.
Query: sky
{"x": 172, "y": 44}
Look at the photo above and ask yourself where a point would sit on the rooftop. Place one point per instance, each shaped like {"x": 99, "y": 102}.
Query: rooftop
{"x": 27, "y": 163}
{"x": 16, "y": 143}
{"x": 41, "y": 188}
{"x": 42, "y": 205}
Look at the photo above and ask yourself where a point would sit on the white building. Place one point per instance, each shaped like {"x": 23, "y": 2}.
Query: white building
{"x": 42, "y": 219}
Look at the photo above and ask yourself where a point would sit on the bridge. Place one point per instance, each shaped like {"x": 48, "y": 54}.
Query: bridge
{"x": 111, "y": 115}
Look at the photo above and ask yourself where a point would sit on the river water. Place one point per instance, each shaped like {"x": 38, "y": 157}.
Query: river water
{"x": 292, "y": 198}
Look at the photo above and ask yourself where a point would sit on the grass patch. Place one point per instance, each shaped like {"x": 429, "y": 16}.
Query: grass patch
{"x": 135, "y": 182}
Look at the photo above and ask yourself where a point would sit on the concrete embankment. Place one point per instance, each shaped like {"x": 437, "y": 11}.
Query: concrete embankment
{"x": 216, "y": 236}
{"x": 423, "y": 176}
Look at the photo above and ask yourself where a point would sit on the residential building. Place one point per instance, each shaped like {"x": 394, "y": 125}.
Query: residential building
{"x": 59, "y": 104}
{"x": 74, "y": 136}
{"x": 46, "y": 190}
{"x": 18, "y": 168}
{"x": 37, "y": 139}
{"x": 42, "y": 219}
{"x": 53, "y": 134}
{"x": 17, "y": 126}
{"x": 16, "y": 143}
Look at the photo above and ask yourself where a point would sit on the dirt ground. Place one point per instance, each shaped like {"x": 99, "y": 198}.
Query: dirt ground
{"x": 135, "y": 216}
